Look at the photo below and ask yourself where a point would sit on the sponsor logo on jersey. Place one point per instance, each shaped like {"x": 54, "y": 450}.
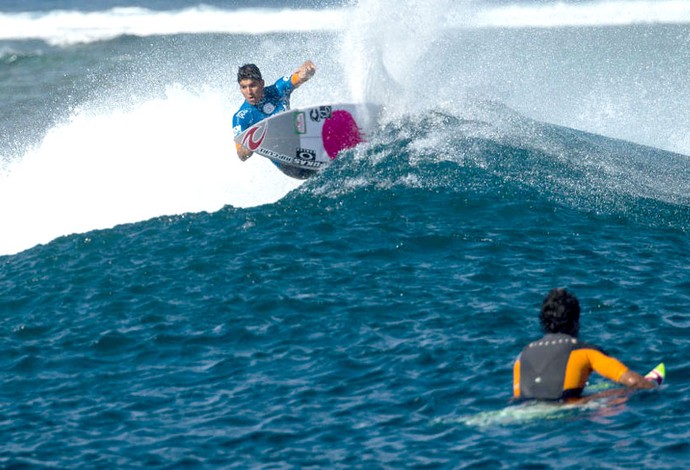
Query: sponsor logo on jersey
{"x": 268, "y": 108}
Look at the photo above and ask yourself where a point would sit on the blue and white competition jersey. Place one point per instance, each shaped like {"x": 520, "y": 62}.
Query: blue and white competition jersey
{"x": 276, "y": 100}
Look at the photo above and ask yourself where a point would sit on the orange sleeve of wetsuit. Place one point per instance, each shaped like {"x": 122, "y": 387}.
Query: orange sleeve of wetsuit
{"x": 583, "y": 361}
{"x": 516, "y": 379}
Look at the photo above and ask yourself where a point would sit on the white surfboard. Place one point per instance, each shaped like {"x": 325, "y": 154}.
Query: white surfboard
{"x": 303, "y": 141}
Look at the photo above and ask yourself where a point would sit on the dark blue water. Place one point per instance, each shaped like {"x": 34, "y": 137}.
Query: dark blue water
{"x": 225, "y": 317}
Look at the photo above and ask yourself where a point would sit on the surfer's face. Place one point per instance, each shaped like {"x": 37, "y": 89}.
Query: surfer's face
{"x": 252, "y": 90}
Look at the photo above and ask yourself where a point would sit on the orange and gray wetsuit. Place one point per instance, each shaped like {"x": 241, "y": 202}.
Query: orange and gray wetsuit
{"x": 557, "y": 367}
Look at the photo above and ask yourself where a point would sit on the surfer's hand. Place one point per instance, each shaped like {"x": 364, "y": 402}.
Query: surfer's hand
{"x": 306, "y": 71}
{"x": 243, "y": 152}
{"x": 634, "y": 380}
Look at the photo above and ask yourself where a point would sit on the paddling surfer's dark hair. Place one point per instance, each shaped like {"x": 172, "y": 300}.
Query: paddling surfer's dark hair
{"x": 248, "y": 72}
{"x": 560, "y": 313}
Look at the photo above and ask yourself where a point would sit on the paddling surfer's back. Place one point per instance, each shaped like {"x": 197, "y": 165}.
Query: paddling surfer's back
{"x": 557, "y": 366}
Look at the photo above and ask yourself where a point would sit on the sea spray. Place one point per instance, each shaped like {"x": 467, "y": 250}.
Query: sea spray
{"x": 106, "y": 167}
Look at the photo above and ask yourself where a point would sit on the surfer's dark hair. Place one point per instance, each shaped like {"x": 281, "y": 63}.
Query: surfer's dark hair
{"x": 248, "y": 72}
{"x": 560, "y": 313}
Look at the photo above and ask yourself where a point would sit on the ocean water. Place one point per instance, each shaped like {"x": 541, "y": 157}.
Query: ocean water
{"x": 165, "y": 305}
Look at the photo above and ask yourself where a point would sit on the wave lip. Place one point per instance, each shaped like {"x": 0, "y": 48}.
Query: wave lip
{"x": 62, "y": 27}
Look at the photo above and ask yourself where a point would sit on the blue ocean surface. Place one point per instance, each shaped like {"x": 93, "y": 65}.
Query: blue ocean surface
{"x": 165, "y": 305}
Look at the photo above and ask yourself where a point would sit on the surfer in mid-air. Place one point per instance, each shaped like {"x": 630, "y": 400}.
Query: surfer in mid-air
{"x": 557, "y": 366}
{"x": 262, "y": 101}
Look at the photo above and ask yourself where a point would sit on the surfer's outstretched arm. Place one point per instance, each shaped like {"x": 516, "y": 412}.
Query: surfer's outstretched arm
{"x": 630, "y": 379}
{"x": 303, "y": 73}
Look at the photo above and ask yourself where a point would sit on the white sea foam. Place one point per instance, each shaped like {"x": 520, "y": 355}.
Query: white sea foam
{"x": 165, "y": 156}
{"x": 60, "y": 27}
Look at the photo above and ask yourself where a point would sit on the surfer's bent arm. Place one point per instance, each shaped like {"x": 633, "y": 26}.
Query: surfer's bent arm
{"x": 303, "y": 73}
{"x": 239, "y": 124}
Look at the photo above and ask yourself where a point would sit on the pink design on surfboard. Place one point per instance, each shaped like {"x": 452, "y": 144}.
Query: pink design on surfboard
{"x": 339, "y": 132}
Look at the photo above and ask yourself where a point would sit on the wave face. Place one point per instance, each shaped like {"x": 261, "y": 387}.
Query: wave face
{"x": 164, "y": 304}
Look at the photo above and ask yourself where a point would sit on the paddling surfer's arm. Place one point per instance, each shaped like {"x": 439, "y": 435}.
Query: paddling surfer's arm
{"x": 615, "y": 370}
{"x": 630, "y": 379}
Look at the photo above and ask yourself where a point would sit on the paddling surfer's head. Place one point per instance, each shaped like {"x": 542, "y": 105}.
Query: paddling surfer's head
{"x": 251, "y": 83}
{"x": 560, "y": 313}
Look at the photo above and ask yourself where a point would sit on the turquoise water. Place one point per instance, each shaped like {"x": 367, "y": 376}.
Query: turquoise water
{"x": 164, "y": 305}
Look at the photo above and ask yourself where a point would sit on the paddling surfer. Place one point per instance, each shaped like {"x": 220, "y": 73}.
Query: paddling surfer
{"x": 557, "y": 366}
